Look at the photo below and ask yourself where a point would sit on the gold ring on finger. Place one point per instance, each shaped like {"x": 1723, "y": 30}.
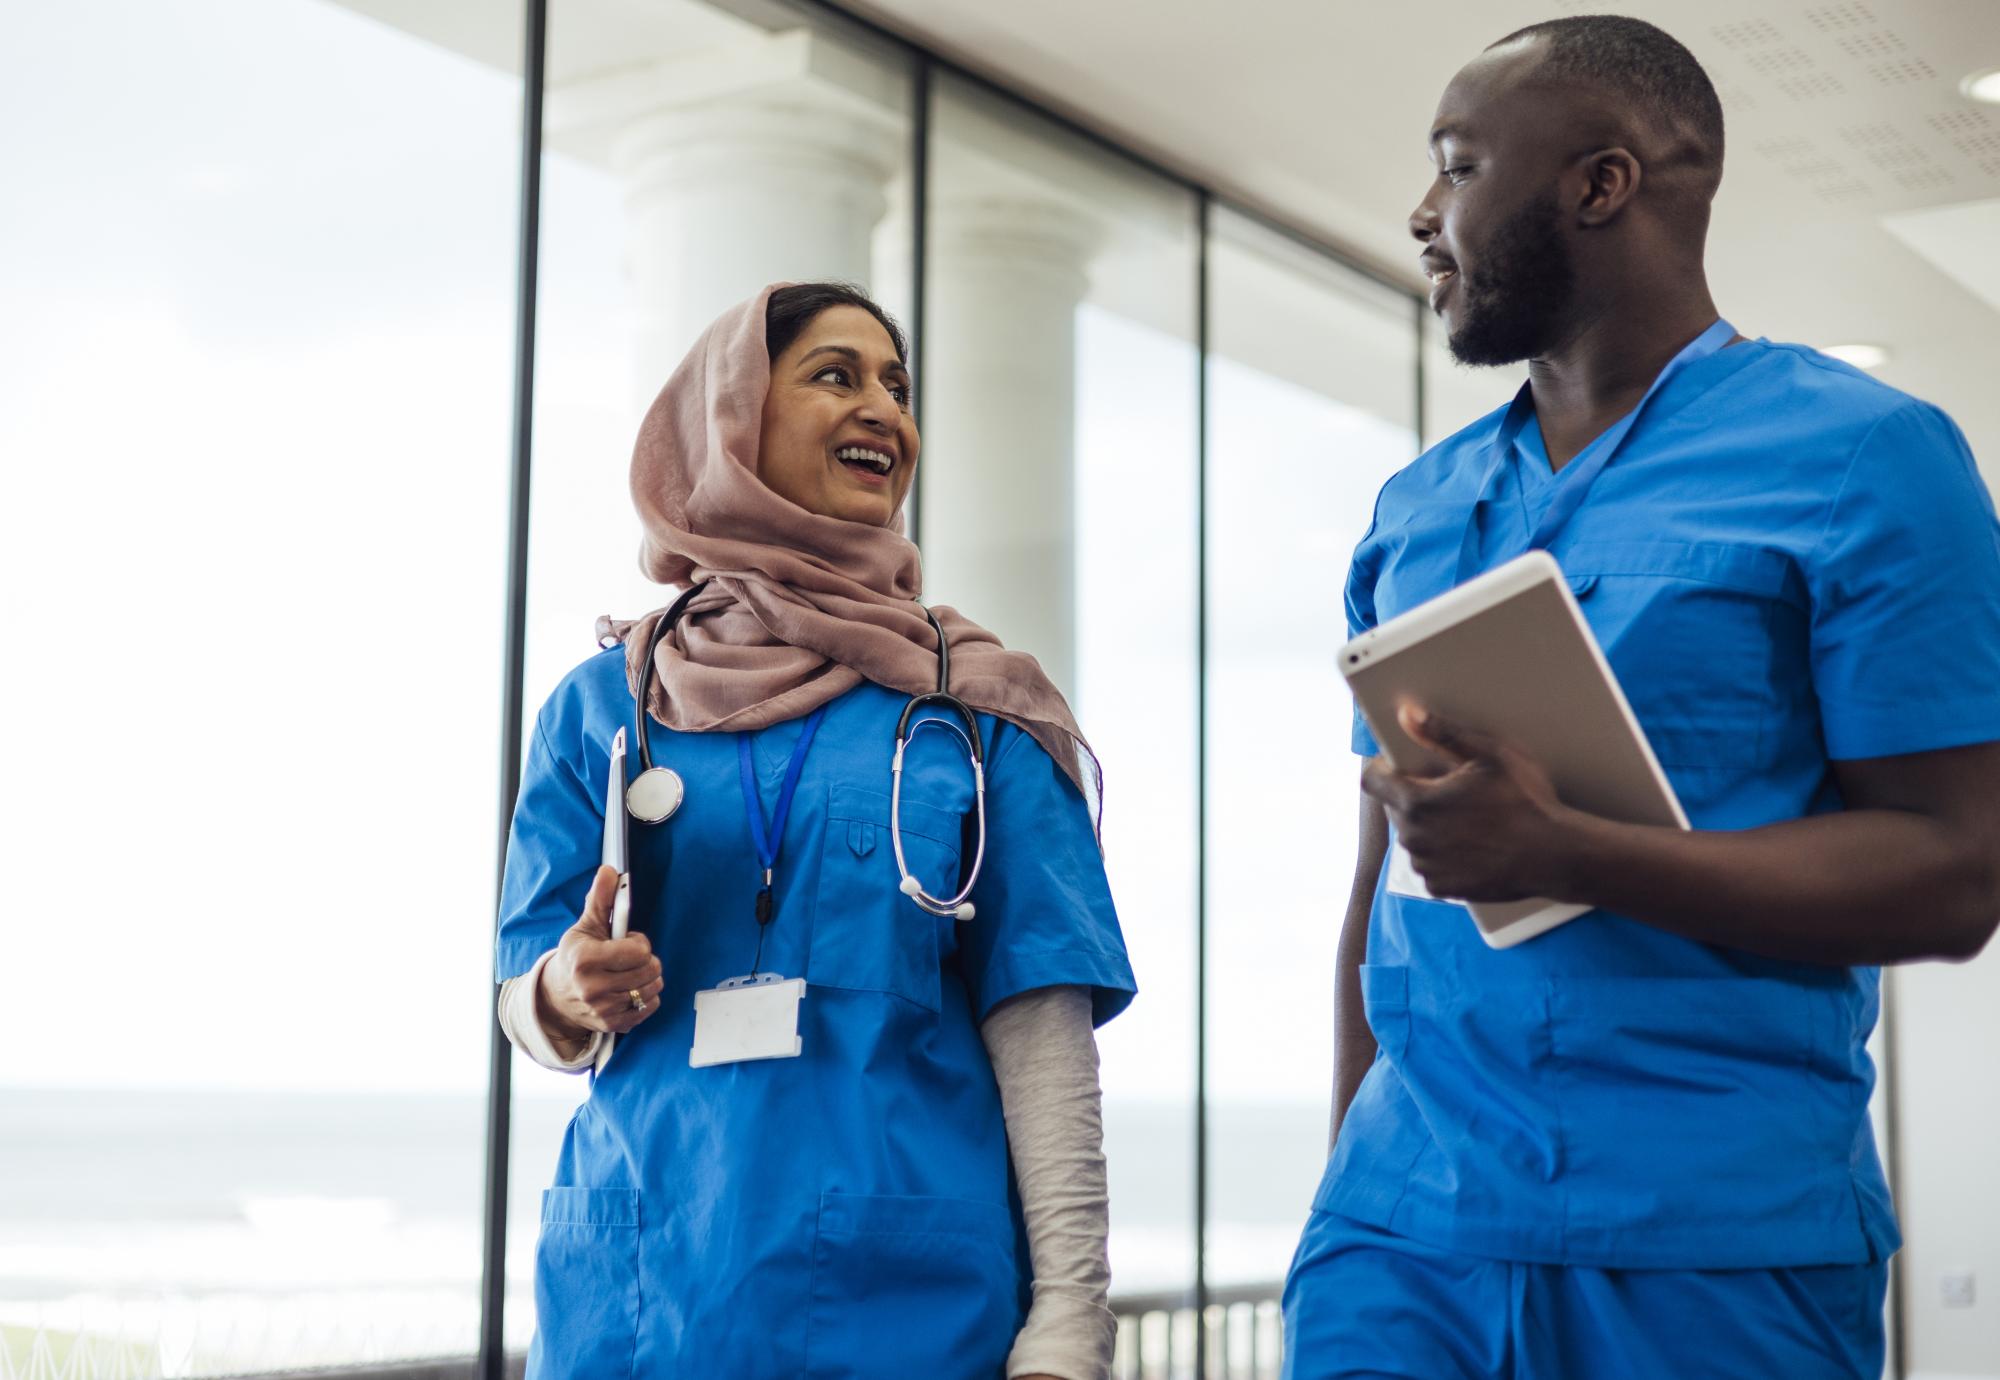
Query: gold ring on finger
{"x": 638, "y": 1002}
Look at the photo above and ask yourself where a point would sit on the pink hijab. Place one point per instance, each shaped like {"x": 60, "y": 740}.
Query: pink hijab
{"x": 799, "y": 608}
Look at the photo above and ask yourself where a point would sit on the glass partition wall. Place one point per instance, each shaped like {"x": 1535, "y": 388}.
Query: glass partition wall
{"x": 257, "y": 395}
{"x": 1312, "y": 381}
{"x": 670, "y": 193}
{"x": 1153, "y": 426}
{"x": 1060, "y": 507}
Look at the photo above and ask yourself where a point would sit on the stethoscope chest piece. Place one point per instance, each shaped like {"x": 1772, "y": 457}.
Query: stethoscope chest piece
{"x": 655, "y": 794}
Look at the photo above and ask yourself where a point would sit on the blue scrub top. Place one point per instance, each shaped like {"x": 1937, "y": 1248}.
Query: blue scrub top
{"x": 850, "y": 1211}
{"x": 1788, "y": 564}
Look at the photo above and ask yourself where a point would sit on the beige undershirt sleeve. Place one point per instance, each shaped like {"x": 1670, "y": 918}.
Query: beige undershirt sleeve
{"x": 1044, "y": 1054}
{"x": 522, "y": 1020}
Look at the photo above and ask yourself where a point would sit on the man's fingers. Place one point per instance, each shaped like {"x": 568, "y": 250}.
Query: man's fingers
{"x": 1412, "y": 801}
{"x": 1386, "y": 784}
{"x": 1452, "y": 741}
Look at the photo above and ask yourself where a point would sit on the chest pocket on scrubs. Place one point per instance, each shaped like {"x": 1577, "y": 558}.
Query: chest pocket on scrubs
{"x": 867, "y": 935}
{"x": 1697, "y": 633}
{"x": 1385, "y": 997}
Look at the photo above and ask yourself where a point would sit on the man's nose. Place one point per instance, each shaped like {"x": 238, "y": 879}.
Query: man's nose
{"x": 1424, "y": 222}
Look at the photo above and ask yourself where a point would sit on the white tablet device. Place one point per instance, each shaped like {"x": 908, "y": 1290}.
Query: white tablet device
{"x": 1510, "y": 653}
{"x": 617, "y": 854}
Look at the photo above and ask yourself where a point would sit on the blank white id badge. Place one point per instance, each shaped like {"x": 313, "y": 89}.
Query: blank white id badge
{"x": 747, "y": 1018}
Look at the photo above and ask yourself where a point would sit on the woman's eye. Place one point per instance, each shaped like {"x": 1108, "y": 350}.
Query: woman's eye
{"x": 901, "y": 393}
{"x": 833, "y": 373}
{"x": 1457, "y": 174}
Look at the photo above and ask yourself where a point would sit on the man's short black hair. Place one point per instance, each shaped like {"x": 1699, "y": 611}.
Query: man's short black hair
{"x": 1645, "y": 63}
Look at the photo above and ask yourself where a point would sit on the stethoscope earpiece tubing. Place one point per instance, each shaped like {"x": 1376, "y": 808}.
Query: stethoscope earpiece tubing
{"x": 955, "y": 907}
{"x": 660, "y": 630}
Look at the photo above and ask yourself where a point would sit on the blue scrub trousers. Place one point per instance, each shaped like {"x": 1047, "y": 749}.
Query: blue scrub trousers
{"x": 1363, "y": 1304}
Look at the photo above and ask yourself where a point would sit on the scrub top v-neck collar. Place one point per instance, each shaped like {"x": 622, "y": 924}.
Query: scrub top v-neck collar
{"x": 771, "y": 747}
{"x": 1531, "y": 457}
{"x": 1572, "y": 485}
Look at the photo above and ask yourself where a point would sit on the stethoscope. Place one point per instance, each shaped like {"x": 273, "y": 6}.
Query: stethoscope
{"x": 657, "y": 791}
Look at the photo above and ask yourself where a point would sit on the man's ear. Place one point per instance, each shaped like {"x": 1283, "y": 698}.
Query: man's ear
{"x": 1611, "y": 180}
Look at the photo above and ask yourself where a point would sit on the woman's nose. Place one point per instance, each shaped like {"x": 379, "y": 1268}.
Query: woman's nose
{"x": 878, "y": 407}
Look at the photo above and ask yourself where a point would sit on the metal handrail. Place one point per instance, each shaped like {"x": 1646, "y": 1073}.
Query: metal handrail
{"x": 1174, "y": 1300}
{"x": 440, "y": 1368}
{"x": 1237, "y": 1335}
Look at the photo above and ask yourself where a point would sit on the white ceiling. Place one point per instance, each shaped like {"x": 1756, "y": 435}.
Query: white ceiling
{"x": 1861, "y": 200}
{"x": 1839, "y": 114}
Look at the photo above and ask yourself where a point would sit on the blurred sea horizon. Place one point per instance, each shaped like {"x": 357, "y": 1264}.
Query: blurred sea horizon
{"x": 194, "y": 1232}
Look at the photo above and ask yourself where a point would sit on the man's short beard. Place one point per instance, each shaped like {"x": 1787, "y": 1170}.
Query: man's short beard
{"x": 1514, "y": 306}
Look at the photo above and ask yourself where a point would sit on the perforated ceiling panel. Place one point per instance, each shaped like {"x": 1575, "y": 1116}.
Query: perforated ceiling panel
{"x": 1973, "y": 133}
{"x": 1840, "y": 17}
{"x": 1857, "y": 102}
{"x": 1849, "y": 120}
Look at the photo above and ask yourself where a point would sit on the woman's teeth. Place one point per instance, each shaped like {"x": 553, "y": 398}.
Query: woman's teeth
{"x": 872, "y": 460}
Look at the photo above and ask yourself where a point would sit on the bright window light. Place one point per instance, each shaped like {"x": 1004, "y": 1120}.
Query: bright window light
{"x": 1859, "y": 355}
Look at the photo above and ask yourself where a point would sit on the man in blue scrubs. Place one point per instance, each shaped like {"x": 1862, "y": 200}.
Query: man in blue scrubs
{"x": 1639, "y": 1144}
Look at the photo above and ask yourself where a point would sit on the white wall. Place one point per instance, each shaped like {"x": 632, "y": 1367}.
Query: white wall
{"x": 1947, "y": 1076}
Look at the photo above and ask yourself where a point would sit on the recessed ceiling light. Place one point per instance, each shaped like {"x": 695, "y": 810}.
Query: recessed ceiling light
{"x": 1861, "y": 356}
{"x": 1983, "y": 86}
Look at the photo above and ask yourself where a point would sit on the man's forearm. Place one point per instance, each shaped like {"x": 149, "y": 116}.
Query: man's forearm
{"x": 1860, "y": 887}
{"x": 1353, "y": 1041}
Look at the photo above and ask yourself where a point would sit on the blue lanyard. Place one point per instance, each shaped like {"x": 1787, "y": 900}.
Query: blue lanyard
{"x": 768, "y": 840}
{"x": 1573, "y": 484}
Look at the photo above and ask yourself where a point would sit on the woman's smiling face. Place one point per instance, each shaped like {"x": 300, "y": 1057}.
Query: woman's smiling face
{"x": 838, "y": 436}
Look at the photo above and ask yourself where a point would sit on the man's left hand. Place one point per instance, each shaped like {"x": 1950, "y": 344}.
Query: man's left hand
{"x": 1488, "y": 827}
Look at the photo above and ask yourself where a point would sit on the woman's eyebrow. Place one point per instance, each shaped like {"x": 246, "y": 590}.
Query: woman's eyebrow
{"x": 852, "y": 356}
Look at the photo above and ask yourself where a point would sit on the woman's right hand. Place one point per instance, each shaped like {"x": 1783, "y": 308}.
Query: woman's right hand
{"x": 589, "y": 984}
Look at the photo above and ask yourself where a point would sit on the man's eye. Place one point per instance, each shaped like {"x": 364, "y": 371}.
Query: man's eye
{"x": 1458, "y": 173}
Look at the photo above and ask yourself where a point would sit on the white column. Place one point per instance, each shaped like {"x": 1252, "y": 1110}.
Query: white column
{"x": 739, "y": 193}
{"x": 999, "y": 415}
{"x": 739, "y": 170}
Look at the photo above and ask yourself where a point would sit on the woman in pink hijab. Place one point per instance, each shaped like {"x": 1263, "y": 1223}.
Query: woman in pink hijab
{"x": 839, "y": 1134}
